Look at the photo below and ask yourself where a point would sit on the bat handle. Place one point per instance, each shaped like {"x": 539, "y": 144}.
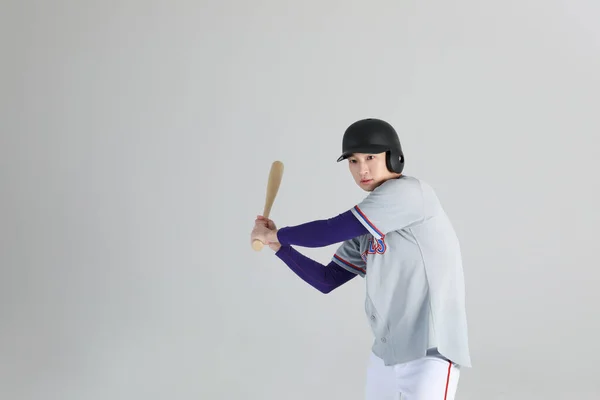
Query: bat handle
{"x": 257, "y": 244}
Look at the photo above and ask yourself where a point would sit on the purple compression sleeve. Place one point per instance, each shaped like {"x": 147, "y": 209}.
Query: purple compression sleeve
{"x": 321, "y": 277}
{"x": 322, "y": 233}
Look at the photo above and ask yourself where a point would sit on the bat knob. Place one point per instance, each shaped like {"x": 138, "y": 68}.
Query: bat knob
{"x": 257, "y": 245}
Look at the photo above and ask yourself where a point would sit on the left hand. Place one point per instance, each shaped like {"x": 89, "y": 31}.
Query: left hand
{"x": 265, "y": 231}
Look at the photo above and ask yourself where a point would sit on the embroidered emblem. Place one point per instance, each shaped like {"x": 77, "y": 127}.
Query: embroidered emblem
{"x": 376, "y": 246}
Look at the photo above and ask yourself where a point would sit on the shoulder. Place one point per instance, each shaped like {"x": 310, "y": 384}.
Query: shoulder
{"x": 404, "y": 192}
{"x": 404, "y": 185}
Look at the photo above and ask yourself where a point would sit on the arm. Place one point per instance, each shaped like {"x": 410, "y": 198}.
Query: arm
{"x": 321, "y": 277}
{"x": 320, "y": 233}
{"x": 345, "y": 264}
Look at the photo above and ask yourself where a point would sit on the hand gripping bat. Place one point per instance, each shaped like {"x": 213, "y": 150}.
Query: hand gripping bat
{"x": 273, "y": 184}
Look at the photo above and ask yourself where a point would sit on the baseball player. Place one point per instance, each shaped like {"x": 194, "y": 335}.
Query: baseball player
{"x": 400, "y": 240}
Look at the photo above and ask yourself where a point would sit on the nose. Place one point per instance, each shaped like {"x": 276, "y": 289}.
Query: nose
{"x": 363, "y": 169}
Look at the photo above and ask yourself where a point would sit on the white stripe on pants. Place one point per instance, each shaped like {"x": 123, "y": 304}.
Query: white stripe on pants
{"x": 428, "y": 378}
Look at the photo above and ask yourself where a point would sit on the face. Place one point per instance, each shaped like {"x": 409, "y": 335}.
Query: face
{"x": 369, "y": 170}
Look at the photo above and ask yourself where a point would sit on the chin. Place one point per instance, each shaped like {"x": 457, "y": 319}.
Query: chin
{"x": 369, "y": 186}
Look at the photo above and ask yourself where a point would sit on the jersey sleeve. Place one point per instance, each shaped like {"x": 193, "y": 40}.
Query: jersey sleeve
{"x": 348, "y": 256}
{"x": 394, "y": 205}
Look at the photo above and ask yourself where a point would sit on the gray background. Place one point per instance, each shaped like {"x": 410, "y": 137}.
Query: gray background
{"x": 136, "y": 140}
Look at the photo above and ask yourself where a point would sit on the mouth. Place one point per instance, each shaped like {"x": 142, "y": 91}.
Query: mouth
{"x": 365, "y": 181}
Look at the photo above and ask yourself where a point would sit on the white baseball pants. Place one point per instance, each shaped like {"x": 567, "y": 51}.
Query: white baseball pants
{"x": 428, "y": 378}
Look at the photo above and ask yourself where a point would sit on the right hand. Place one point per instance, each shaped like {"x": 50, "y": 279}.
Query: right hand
{"x": 271, "y": 225}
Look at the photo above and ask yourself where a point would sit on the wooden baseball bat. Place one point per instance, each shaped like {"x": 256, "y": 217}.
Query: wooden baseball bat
{"x": 273, "y": 184}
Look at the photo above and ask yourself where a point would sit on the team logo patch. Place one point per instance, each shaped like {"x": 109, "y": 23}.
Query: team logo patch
{"x": 376, "y": 246}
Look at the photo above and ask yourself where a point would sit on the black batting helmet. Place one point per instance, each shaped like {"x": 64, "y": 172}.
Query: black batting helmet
{"x": 372, "y": 135}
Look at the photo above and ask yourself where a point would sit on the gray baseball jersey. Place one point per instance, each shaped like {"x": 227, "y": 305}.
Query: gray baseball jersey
{"x": 412, "y": 265}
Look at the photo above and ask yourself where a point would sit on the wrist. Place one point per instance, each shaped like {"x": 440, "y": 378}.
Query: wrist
{"x": 272, "y": 237}
{"x": 275, "y": 247}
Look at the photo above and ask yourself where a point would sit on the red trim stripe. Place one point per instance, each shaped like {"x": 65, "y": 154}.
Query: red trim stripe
{"x": 447, "y": 380}
{"x": 369, "y": 222}
{"x": 348, "y": 263}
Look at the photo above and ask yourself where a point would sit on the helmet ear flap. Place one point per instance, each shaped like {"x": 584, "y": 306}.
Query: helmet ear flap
{"x": 394, "y": 161}
{"x": 388, "y": 161}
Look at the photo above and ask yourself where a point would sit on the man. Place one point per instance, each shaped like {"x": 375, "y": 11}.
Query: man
{"x": 401, "y": 241}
